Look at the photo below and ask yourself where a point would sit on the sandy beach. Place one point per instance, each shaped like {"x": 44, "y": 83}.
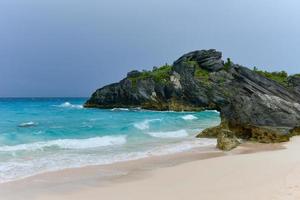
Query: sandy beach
{"x": 149, "y": 100}
{"x": 252, "y": 171}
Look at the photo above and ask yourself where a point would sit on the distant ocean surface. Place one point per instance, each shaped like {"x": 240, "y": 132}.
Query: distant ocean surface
{"x": 40, "y": 135}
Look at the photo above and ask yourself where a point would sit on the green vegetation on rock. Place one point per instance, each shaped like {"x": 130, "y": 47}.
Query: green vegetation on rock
{"x": 198, "y": 80}
{"x": 160, "y": 74}
{"x": 191, "y": 63}
{"x": 280, "y": 77}
{"x": 227, "y": 64}
{"x": 201, "y": 74}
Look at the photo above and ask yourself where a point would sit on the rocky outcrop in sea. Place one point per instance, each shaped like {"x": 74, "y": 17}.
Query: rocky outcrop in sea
{"x": 252, "y": 106}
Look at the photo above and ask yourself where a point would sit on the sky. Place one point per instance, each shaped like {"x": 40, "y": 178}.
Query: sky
{"x": 69, "y": 48}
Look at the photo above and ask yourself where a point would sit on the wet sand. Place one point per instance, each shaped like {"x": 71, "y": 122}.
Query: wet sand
{"x": 252, "y": 171}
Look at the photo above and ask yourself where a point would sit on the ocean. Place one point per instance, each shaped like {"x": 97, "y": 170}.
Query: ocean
{"x": 47, "y": 134}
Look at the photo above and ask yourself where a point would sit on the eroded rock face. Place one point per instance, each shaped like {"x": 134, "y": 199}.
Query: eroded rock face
{"x": 295, "y": 131}
{"x": 294, "y": 82}
{"x": 256, "y": 100}
{"x": 227, "y": 140}
{"x": 213, "y": 132}
{"x": 207, "y": 59}
{"x": 251, "y": 106}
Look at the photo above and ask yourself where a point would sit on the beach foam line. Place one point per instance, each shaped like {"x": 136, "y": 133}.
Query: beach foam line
{"x": 189, "y": 117}
{"x": 15, "y": 170}
{"x": 145, "y": 124}
{"x": 169, "y": 134}
{"x": 68, "y": 144}
{"x": 69, "y": 105}
{"x": 183, "y": 146}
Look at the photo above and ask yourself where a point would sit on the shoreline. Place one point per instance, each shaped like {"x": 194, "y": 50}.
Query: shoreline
{"x": 68, "y": 181}
{"x": 187, "y": 147}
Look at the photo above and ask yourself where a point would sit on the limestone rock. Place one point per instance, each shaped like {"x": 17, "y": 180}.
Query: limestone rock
{"x": 251, "y": 105}
{"x": 227, "y": 140}
{"x": 213, "y": 132}
{"x": 207, "y": 59}
{"x": 294, "y": 132}
{"x": 294, "y": 82}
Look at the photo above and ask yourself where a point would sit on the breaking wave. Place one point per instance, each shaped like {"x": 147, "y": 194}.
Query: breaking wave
{"x": 189, "y": 117}
{"x": 69, "y": 105}
{"x": 120, "y": 109}
{"x": 215, "y": 111}
{"x": 14, "y": 170}
{"x": 68, "y": 144}
{"x": 144, "y": 124}
{"x": 28, "y": 124}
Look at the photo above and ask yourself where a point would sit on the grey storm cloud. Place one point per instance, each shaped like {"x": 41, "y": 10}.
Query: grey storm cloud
{"x": 70, "y": 47}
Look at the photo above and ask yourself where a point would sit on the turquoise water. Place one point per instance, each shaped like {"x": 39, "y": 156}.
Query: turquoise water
{"x": 40, "y": 135}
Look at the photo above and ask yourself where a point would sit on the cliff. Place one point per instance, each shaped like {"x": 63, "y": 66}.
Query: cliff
{"x": 253, "y": 106}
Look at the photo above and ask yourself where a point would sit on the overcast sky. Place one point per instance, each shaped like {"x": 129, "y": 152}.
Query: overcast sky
{"x": 70, "y": 47}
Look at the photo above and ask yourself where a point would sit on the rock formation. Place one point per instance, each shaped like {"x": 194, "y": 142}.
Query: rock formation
{"x": 252, "y": 106}
{"x": 227, "y": 140}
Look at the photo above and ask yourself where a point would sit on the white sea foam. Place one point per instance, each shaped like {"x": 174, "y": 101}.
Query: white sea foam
{"x": 120, "y": 109}
{"x": 13, "y": 170}
{"x": 69, "y": 105}
{"x": 144, "y": 124}
{"x": 215, "y": 111}
{"x": 169, "y": 134}
{"x": 28, "y": 124}
{"x": 68, "y": 144}
{"x": 184, "y": 146}
{"x": 189, "y": 117}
